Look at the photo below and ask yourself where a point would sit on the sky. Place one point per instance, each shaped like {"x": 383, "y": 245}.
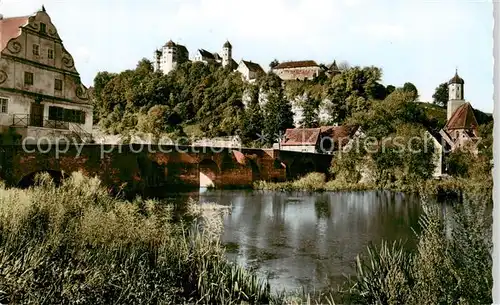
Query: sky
{"x": 417, "y": 41}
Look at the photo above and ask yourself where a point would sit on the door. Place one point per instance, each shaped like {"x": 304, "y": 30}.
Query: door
{"x": 36, "y": 115}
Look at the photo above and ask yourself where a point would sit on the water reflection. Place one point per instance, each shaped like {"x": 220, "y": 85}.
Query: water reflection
{"x": 310, "y": 239}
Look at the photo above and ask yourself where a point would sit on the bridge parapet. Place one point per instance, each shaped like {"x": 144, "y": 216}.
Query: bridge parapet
{"x": 139, "y": 167}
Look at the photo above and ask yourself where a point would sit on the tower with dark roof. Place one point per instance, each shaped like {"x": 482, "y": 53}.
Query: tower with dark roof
{"x": 171, "y": 55}
{"x": 227, "y": 54}
{"x": 455, "y": 94}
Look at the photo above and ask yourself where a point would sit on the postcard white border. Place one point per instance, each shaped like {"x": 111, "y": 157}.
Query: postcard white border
{"x": 496, "y": 155}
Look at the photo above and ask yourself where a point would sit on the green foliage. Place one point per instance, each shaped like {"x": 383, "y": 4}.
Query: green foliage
{"x": 441, "y": 95}
{"x": 252, "y": 123}
{"x": 352, "y": 91}
{"x": 452, "y": 264}
{"x": 411, "y": 89}
{"x": 310, "y": 117}
{"x": 75, "y": 244}
{"x": 347, "y": 167}
{"x": 278, "y": 115}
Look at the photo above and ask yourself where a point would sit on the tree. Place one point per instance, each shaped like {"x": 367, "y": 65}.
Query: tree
{"x": 278, "y": 115}
{"x": 274, "y": 63}
{"x": 352, "y": 90}
{"x": 159, "y": 119}
{"x": 410, "y": 88}
{"x": 390, "y": 89}
{"x": 252, "y": 123}
{"x": 309, "y": 107}
{"x": 440, "y": 96}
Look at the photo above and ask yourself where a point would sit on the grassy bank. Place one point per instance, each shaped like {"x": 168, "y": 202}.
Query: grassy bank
{"x": 75, "y": 244}
{"x": 316, "y": 182}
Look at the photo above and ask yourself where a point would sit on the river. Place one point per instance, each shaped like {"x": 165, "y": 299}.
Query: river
{"x": 310, "y": 239}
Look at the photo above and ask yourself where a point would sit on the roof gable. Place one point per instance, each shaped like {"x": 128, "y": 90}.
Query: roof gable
{"x": 462, "y": 118}
{"x": 205, "y": 54}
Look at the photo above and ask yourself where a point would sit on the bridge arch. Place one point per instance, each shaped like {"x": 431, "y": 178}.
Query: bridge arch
{"x": 209, "y": 172}
{"x": 29, "y": 179}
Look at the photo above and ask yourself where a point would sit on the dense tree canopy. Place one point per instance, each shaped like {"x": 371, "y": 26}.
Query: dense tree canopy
{"x": 440, "y": 96}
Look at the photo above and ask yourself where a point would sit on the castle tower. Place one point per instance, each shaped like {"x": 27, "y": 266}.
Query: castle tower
{"x": 455, "y": 94}
{"x": 227, "y": 54}
{"x": 169, "y": 57}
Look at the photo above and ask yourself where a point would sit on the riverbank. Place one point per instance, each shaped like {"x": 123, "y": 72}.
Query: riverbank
{"x": 442, "y": 188}
{"x": 77, "y": 244}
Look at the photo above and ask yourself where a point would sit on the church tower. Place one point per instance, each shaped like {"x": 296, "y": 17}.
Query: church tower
{"x": 227, "y": 54}
{"x": 455, "y": 94}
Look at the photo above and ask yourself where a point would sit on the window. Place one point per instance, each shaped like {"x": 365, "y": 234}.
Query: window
{"x": 43, "y": 27}
{"x": 3, "y": 104}
{"x": 58, "y": 84}
{"x": 28, "y": 78}
{"x": 36, "y": 49}
{"x": 66, "y": 115}
{"x": 50, "y": 54}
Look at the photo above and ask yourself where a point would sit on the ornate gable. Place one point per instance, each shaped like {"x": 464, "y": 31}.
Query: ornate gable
{"x": 15, "y": 33}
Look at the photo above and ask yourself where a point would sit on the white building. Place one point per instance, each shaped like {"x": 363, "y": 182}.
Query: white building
{"x": 169, "y": 57}
{"x": 225, "y": 58}
{"x": 250, "y": 70}
{"x": 41, "y": 94}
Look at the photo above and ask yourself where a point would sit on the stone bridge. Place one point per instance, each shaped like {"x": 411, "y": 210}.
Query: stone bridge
{"x": 140, "y": 168}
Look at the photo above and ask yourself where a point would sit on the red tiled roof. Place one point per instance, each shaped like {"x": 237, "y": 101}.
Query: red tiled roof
{"x": 10, "y": 28}
{"x": 296, "y": 64}
{"x": 462, "y": 118}
{"x": 301, "y": 136}
{"x": 340, "y": 135}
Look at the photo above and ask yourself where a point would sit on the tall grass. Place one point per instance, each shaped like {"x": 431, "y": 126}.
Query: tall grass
{"x": 452, "y": 264}
{"x": 75, "y": 244}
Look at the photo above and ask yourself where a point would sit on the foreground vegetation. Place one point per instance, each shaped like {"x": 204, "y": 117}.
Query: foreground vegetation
{"x": 75, "y": 244}
{"x": 452, "y": 264}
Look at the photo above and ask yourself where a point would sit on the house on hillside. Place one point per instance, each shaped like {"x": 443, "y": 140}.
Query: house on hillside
{"x": 41, "y": 94}
{"x": 324, "y": 140}
{"x": 250, "y": 70}
{"x": 298, "y": 70}
{"x": 225, "y": 59}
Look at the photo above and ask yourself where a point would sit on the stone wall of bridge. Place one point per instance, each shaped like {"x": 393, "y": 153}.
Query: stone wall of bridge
{"x": 138, "y": 168}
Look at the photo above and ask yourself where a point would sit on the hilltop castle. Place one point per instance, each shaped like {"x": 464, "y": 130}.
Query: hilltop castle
{"x": 173, "y": 54}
